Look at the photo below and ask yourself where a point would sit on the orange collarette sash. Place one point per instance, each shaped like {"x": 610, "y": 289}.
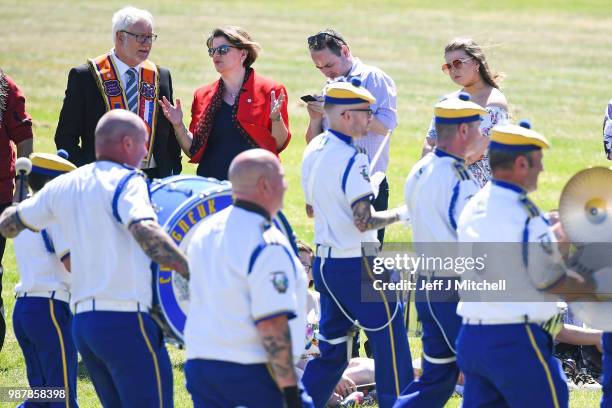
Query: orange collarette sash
{"x": 105, "y": 72}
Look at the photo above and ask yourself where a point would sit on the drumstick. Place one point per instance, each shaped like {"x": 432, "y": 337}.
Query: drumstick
{"x": 23, "y": 167}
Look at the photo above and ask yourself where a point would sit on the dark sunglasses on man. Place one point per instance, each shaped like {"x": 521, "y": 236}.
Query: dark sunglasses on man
{"x": 222, "y": 50}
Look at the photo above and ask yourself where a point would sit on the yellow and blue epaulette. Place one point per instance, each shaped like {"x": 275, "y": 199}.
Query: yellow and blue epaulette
{"x": 461, "y": 171}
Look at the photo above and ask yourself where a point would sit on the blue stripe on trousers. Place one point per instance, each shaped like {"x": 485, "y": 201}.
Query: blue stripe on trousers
{"x": 119, "y": 361}
{"x": 38, "y": 338}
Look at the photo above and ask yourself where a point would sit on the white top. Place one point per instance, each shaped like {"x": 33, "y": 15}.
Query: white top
{"x": 497, "y": 218}
{"x": 243, "y": 270}
{"x": 123, "y": 68}
{"x": 38, "y": 256}
{"x": 334, "y": 177}
{"x": 382, "y": 87}
{"x": 107, "y": 263}
{"x": 607, "y": 130}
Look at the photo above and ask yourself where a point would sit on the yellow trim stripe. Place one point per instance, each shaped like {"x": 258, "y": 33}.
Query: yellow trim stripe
{"x": 157, "y": 374}
{"x": 61, "y": 341}
{"x": 553, "y": 390}
{"x": 391, "y": 337}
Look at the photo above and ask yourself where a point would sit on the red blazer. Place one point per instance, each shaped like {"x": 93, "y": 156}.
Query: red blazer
{"x": 253, "y": 111}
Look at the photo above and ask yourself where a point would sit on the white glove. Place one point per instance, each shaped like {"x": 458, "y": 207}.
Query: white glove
{"x": 404, "y": 216}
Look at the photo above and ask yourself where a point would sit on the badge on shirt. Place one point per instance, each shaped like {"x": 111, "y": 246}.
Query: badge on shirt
{"x": 363, "y": 170}
{"x": 280, "y": 281}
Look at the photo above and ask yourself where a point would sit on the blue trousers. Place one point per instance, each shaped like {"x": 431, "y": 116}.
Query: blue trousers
{"x": 43, "y": 330}
{"x": 441, "y": 324}
{"x": 606, "y": 399}
{"x": 510, "y": 365}
{"x": 393, "y": 364}
{"x": 127, "y": 360}
{"x": 221, "y": 384}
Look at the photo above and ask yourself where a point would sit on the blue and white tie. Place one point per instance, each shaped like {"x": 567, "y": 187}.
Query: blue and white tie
{"x": 131, "y": 90}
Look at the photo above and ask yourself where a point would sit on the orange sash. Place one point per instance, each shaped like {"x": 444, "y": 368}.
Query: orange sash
{"x": 105, "y": 72}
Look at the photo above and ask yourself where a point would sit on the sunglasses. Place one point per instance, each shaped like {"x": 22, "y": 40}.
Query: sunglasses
{"x": 319, "y": 40}
{"x": 369, "y": 111}
{"x": 457, "y": 64}
{"x": 222, "y": 50}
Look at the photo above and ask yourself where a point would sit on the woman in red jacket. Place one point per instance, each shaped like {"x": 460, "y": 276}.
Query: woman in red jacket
{"x": 239, "y": 111}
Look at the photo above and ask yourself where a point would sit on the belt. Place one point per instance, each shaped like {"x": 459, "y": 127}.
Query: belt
{"x": 93, "y": 305}
{"x": 329, "y": 252}
{"x": 61, "y": 295}
{"x": 517, "y": 320}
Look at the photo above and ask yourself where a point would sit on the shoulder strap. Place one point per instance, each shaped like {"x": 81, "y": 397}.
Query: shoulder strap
{"x": 120, "y": 186}
{"x": 460, "y": 171}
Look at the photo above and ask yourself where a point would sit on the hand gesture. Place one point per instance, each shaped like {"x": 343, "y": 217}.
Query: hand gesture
{"x": 315, "y": 110}
{"x": 275, "y": 105}
{"x": 345, "y": 386}
{"x": 173, "y": 113}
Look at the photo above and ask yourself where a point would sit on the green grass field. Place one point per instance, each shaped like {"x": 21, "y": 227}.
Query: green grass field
{"x": 555, "y": 54}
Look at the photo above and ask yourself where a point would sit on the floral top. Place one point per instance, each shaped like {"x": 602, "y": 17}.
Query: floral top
{"x": 480, "y": 169}
{"x": 607, "y": 131}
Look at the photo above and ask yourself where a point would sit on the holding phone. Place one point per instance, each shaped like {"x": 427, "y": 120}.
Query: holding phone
{"x": 311, "y": 98}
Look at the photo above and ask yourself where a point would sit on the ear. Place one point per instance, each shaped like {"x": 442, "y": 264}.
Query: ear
{"x": 345, "y": 50}
{"x": 521, "y": 164}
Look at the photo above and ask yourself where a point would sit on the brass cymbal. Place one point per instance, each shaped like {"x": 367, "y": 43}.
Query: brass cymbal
{"x": 585, "y": 207}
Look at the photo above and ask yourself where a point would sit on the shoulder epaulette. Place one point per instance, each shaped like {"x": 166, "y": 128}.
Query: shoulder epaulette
{"x": 531, "y": 209}
{"x": 461, "y": 172}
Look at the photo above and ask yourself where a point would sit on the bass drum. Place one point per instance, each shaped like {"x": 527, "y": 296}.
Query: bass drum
{"x": 181, "y": 203}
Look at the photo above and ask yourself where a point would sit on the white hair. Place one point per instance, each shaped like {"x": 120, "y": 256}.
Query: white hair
{"x": 127, "y": 16}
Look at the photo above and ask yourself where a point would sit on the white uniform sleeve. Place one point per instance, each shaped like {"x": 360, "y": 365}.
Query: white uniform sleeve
{"x": 59, "y": 239}
{"x": 134, "y": 203}
{"x": 272, "y": 284}
{"x": 37, "y": 211}
{"x": 356, "y": 180}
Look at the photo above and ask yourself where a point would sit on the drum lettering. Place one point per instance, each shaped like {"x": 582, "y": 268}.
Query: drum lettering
{"x": 176, "y": 236}
{"x": 183, "y": 225}
{"x": 201, "y": 211}
{"x": 211, "y": 207}
{"x": 191, "y": 218}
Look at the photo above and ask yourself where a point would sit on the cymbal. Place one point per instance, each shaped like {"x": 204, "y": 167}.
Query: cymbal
{"x": 585, "y": 207}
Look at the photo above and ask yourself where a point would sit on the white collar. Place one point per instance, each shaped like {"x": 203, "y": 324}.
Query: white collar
{"x": 122, "y": 67}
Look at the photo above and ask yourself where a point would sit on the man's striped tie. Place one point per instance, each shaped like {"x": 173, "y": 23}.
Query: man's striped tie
{"x": 131, "y": 90}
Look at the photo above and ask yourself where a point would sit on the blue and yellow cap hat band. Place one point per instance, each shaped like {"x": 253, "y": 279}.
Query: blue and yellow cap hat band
{"x": 51, "y": 165}
{"x": 517, "y": 138}
{"x": 452, "y": 111}
{"x": 347, "y": 93}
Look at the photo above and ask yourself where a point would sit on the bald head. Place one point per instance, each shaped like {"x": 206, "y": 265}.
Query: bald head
{"x": 121, "y": 136}
{"x": 257, "y": 176}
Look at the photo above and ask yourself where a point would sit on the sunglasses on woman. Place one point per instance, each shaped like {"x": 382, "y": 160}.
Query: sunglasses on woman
{"x": 457, "y": 64}
{"x": 222, "y": 50}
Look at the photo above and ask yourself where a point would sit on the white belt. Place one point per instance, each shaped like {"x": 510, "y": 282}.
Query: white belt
{"x": 329, "y": 252}
{"x": 62, "y": 295}
{"x": 517, "y": 320}
{"x": 96, "y": 305}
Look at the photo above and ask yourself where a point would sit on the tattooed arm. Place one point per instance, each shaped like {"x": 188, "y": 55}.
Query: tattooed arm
{"x": 276, "y": 339}
{"x": 365, "y": 220}
{"x": 10, "y": 224}
{"x": 159, "y": 246}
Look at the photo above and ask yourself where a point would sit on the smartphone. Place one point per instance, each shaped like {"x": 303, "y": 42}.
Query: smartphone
{"x": 309, "y": 98}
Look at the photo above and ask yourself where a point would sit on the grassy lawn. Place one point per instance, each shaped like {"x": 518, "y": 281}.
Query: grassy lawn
{"x": 555, "y": 54}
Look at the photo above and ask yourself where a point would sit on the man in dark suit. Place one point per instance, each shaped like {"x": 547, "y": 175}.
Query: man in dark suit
{"x": 121, "y": 79}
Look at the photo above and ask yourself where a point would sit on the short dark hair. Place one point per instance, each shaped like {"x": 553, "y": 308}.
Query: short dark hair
{"x": 302, "y": 246}
{"x": 328, "y": 38}
{"x": 240, "y": 39}
{"x": 502, "y": 159}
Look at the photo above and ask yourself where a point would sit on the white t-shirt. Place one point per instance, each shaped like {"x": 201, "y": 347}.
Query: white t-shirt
{"x": 107, "y": 263}
{"x": 243, "y": 270}
{"x": 494, "y": 221}
{"x": 334, "y": 177}
{"x": 38, "y": 256}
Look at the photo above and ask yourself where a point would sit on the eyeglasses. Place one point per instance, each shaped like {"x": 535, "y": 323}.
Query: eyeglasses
{"x": 222, "y": 50}
{"x": 307, "y": 267}
{"x": 142, "y": 38}
{"x": 457, "y": 64}
{"x": 319, "y": 40}
{"x": 369, "y": 111}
